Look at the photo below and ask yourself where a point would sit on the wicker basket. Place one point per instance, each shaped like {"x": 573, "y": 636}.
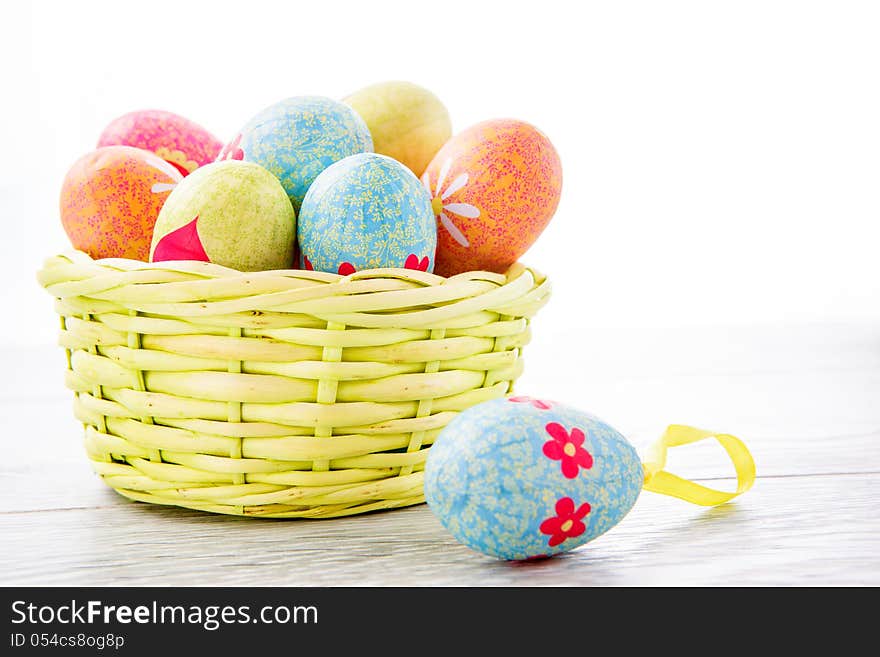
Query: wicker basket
{"x": 280, "y": 394}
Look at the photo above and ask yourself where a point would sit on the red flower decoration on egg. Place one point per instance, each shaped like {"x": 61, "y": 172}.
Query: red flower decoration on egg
{"x": 567, "y": 448}
{"x": 181, "y": 244}
{"x": 567, "y": 523}
{"x": 346, "y": 269}
{"x": 232, "y": 150}
{"x": 413, "y": 262}
{"x": 537, "y": 403}
{"x": 308, "y": 264}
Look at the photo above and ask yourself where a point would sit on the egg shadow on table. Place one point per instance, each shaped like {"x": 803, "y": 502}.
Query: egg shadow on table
{"x": 536, "y": 564}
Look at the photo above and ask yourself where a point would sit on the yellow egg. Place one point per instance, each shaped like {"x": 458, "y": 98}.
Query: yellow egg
{"x": 406, "y": 121}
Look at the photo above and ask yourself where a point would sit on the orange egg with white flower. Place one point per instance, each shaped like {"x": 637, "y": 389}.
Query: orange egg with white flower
{"x": 111, "y": 198}
{"x": 494, "y": 188}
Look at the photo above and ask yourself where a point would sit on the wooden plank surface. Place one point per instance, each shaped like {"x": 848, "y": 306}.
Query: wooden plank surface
{"x": 806, "y": 399}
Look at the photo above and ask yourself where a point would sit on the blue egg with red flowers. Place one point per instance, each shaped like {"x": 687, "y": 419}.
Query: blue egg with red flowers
{"x": 522, "y": 478}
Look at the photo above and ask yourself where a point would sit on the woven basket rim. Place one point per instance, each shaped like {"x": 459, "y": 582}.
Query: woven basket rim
{"x": 210, "y": 269}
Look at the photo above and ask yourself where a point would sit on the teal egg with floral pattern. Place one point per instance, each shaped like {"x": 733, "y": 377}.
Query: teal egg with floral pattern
{"x": 297, "y": 138}
{"x": 366, "y": 211}
{"x": 523, "y": 478}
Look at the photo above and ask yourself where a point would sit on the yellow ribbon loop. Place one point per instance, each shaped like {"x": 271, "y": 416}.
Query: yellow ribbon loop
{"x": 657, "y": 480}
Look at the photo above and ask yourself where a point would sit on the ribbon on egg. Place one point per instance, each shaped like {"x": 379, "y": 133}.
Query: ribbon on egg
{"x": 658, "y": 480}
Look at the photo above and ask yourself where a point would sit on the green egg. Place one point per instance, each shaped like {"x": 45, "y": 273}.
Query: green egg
{"x": 231, "y": 213}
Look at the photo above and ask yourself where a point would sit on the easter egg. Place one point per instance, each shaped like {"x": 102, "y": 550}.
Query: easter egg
{"x": 297, "y": 138}
{"x": 366, "y": 211}
{"x": 231, "y": 213}
{"x": 521, "y": 478}
{"x": 495, "y": 187}
{"x": 406, "y": 121}
{"x": 176, "y": 139}
{"x": 110, "y": 199}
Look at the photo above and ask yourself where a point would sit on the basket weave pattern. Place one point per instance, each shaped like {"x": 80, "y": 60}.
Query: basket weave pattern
{"x": 280, "y": 394}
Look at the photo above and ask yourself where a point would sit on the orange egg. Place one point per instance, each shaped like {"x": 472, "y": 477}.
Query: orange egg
{"x": 110, "y": 200}
{"x": 494, "y": 186}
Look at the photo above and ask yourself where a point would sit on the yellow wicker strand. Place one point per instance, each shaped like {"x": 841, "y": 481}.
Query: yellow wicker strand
{"x": 234, "y": 409}
{"x": 96, "y": 391}
{"x": 133, "y": 341}
{"x": 424, "y": 409}
{"x": 326, "y": 394}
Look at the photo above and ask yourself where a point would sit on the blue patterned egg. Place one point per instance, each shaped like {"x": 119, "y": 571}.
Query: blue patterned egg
{"x": 297, "y": 138}
{"x": 365, "y": 212}
{"x": 523, "y": 478}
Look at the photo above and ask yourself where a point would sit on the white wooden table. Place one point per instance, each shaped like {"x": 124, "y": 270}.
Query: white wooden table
{"x": 805, "y": 398}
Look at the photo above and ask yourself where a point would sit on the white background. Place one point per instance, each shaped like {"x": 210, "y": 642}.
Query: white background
{"x": 721, "y": 159}
{"x": 722, "y": 177}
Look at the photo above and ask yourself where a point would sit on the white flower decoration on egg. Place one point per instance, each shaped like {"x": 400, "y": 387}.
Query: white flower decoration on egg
{"x": 167, "y": 168}
{"x": 442, "y": 209}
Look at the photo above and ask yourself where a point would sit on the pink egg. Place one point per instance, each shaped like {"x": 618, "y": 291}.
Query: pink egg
{"x": 183, "y": 143}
